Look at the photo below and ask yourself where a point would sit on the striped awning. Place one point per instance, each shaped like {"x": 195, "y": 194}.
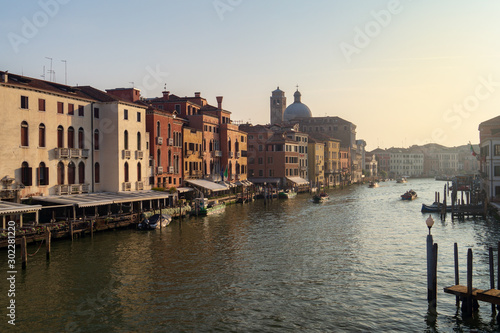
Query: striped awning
{"x": 297, "y": 180}
{"x": 16, "y": 208}
{"x": 206, "y": 184}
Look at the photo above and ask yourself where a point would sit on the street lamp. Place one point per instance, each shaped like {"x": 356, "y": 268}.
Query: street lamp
{"x": 430, "y": 223}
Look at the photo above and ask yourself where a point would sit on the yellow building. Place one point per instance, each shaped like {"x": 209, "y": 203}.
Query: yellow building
{"x": 193, "y": 153}
{"x": 316, "y": 162}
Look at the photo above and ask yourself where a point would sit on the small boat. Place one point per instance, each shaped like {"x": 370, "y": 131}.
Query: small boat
{"x": 409, "y": 195}
{"x": 322, "y": 197}
{"x": 373, "y": 184}
{"x": 155, "y": 221}
{"x": 205, "y": 207}
{"x": 434, "y": 208}
{"x": 401, "y": 180}
{"x": 287, "y": 194}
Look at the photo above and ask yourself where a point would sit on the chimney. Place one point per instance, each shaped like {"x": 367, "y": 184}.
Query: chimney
{"x": 219, "y": 102}
{"x": 5, "y": 77}
{"x": 166, "y": 95}
{"x": 197, "y": 94}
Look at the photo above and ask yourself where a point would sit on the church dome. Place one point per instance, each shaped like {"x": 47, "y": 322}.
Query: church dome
{"x": 297, "y": 109}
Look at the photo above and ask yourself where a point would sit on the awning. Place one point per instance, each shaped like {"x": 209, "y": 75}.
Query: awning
{"x": 103, "y": 198}
{"x": 228, "y": 184}
{"x": 297, "y": 180}
{"x": 243, "y": 183}
{"x": 265, "y": 180}
{"x": 206, "y": 184}
{"x": 16, "y": 208}
{"x": 184, "y": 189}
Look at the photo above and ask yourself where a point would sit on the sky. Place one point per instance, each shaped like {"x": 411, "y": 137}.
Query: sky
{"x": 404, "y": 72}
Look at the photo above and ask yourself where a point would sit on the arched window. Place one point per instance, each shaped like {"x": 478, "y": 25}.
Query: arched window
{"x": 81, "y": 138}
{"x": 81, "y": 173}
{"x": 97, "y": 172}
{"x": 236, "y": 146}
{"x": 169, "y": 133}
{"x": 229, "y": 144}
{"x": 60, "y": 173}
{"x": 125, "y": 140}
{"x": 24, "y": 134}
{"x": 138, "y": 140}
{"x": 41, "y": 135}
{"x": 158, "y": 157}
{"x": 125, "y": 171}
{"x": 43, "y": 174}
{"x": 169, "y": 158}
{"x": 96, "y": 139}
{"x": 139, "y": 172}
{"x": 71, "y": 137}
{"x": 71, "y": 173}
{"x": 26, "y": 174}
{"x": 60, "y": 137}
{"x": 158, "y": 129}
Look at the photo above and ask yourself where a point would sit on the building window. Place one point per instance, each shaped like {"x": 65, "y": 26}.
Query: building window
{"x": 139, "y": 172}
{"x": 125, "y": 140}
{"x": 158, "y": 128}
{"x": 97, "y": 170}
{"x": 26, "y": 174}
{"x": 125, "y": 172}
{"x": 60, "y": 107}
{"x": 81, "y": 173}
{"x": 24, "y": 102}
{"x": 96, "y": 113}
{"x": 138, "y": 140}
{"x": 71, "y": 173}
{"x": 60, "y": 173}
{"x": 96, "y": 139}
{"x": 496, "y": 149}
{"x": 81, "y": 138}
{"x": 41, "y": 135}
{"x": 178, "y": 108}
{"x": 138, "y": 117}
{"x": 81, "y": 111}
{"x": 41, "y": 104}
{"x": 497, "y": 171}
{"x": 24, "y": 134}
{"x": 60, "y": 137}
{"x": 125, "y": 114}
{"x": 71, "y": 109}
{"x": 43, "y": 174}
{"x": 71, "y": 138}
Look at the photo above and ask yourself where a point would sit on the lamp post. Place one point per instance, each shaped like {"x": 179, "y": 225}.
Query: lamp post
{"x": 431, "y": 265}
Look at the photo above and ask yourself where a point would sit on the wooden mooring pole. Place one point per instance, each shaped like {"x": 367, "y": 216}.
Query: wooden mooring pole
{"x": 457, "y": 279}
{"x": 24, "y": 253}
{"x": 47, "y": 242}
{"x": 431, "y": 271}
{"x": 492, "y": 276}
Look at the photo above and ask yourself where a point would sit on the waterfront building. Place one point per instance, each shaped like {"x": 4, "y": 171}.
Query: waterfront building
{"x": 278, "y": 106}
{"x": 345, "y": 165}
{"x": 371, "y": 165}
{"x": 332, "y": 170}
{"x": 316, "y": 156}
{"x": 302, "y": 139}
{"x": 221, "y": 145}
{"x": 489, "y": 143}
{"x": 60, "y": 140}
{"x": 165, "y": 140}
{"x": 193, "y": 153}
{"x": 404, "y": 162}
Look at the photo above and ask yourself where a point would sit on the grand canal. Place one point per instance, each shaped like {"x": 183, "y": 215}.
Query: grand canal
{"x": 354, "y": 264}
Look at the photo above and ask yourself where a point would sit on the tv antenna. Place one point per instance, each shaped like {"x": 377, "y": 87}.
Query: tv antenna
{"x": 65, "y": 72}
{"x": 50, "y": 70}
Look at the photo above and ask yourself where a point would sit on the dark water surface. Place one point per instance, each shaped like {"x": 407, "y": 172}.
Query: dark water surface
{"x": 354, "y": 264}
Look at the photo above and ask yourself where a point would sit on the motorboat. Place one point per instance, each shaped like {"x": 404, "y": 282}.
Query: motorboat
{"x": 155, "y": 221}
{"x": 321, "y": 197}
{"x": 409, "y": 195}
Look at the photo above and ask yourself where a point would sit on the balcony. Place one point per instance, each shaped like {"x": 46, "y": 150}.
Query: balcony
{"x": 139, "y": 154}
{"x": 159, "y": 170}
{"x": 139, "y": 186}
{"x": 170, "y": 141}
{"x": 126, "y": 154}
{"x": 62, "y": 152}
{"x": 159, "y": 140}
{"x": 62, "y": 189}
{"x": 85, "y": 188}
{"x": 74, "y": 152}
{"x": 74, "y": 189}
{"x": 238, "y": 154}
{"x": 231, "y": 154}
{"x": 127, "y": 186}
{"x": 216, "y": 153}
{"x": 85, "y": 153}
{"x": 170, "y": 169}
{"x": 188, "y": 153}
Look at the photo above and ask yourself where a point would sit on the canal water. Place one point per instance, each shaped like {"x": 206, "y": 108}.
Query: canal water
{"x": 354, "y": 264}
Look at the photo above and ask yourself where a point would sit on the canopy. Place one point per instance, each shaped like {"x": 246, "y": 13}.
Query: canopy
{"x": 17, "y": 208}
{"x": 297, "y": 180}
{"x": 206, "y": 184}
{"x": 265, "y": 180}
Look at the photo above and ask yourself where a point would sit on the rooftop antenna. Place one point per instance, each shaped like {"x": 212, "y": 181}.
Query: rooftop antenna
{"x": 133, "y": 86}
{"x": 43, "y": 75}
{"x": 65, "y": 72}
{"x": 50, "y": 70}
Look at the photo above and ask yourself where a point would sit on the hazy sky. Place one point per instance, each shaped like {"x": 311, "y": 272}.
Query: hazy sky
{"x": 405, "y": 72}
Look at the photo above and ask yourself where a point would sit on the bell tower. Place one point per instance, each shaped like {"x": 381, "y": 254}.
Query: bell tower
{"x": 278, "y": 106}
